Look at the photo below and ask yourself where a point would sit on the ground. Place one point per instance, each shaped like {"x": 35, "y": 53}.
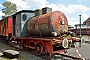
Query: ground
{"x": 84, "y": 51}
{"x": 23, "y": 54}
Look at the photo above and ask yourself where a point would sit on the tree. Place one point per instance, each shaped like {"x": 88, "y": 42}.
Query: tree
{"x": 9, "y": 8}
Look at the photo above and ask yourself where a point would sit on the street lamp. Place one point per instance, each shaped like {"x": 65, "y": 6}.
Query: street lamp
{"x": 80, "y": 31}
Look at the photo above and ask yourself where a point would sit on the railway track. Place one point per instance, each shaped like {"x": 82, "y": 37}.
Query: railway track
{"x": 59, "y": 56}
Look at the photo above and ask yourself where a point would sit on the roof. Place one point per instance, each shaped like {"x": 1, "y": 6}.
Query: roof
{"x": 23, "y": 11}
{"x": 79, "y": 25}
{"x": 6, "y": 17}
{"x": 88, "y": 20}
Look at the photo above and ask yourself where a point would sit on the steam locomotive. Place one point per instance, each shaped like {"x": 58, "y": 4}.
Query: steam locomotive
{"x": 41, "y": 31}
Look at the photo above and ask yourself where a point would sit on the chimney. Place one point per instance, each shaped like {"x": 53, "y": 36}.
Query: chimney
{"x": 46, "y": 10}
{"x": 38, "y": 12}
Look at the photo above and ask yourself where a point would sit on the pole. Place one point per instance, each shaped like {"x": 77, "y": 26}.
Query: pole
{"x": 80, "y": 32}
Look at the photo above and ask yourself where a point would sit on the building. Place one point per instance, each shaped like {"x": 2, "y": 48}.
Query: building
{"x": 85, "y": 28}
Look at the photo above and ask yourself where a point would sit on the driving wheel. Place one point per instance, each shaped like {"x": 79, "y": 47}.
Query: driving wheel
{"x": 39, "y": 49}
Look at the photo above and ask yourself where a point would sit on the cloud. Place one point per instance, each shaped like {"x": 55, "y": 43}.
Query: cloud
{"x": 20, "y": 4}
{"x": 0, "y": 5}
{"x": 36, "y": 3}
{"x": 84, "y": 17}
{"x": 71, "y": 8}
{"x": 27, "y": 4}
{"x": 72, "y": 21}
{"x": 1, "y": 14}
{"x": 76, "y": 8}
{"x": 53, "y": 6}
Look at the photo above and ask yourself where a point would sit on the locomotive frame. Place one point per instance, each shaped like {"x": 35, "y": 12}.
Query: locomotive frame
{"x": 39, "y": 45}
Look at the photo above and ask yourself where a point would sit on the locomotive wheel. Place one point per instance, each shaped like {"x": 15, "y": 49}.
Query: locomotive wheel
{"x": 23, "y": 45}
{"x": 39, "y": 49}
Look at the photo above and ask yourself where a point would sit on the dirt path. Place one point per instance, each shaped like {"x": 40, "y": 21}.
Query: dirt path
{"x": 23, "y": 55}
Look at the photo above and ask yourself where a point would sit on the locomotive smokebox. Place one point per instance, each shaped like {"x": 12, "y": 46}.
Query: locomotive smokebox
{"x": 47, "y": 25}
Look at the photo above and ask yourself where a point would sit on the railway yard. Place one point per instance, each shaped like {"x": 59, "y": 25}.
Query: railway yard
{"x": 40, "y": 35}
{"x": 24, "y": 55}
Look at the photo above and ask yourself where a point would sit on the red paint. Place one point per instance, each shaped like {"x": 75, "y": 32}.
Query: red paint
{"x": 46, "y": 45}
{"x": 6, "y": 26}
{"x": 9, "y": 26}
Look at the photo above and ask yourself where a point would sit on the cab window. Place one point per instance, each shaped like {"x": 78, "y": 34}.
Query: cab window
{"x": 24, "y": 17}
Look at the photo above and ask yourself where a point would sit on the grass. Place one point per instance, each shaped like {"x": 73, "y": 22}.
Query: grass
{"x": 20, "y": 57}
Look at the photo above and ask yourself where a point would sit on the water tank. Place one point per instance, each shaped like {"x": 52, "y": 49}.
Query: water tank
{"x": 47, "y": 25}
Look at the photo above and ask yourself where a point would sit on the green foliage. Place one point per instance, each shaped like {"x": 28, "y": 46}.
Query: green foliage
{"x": 9, "y": 8}
{"x": 67, "y": 36}
{"x": 3, "y": 17}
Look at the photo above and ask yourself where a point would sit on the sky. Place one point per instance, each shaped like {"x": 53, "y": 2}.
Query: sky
{"x": 71, "y": 8}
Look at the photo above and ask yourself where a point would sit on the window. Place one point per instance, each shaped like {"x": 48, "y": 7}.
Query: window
{"x": 63, "y": 22}
{"x": 24, "y": 17}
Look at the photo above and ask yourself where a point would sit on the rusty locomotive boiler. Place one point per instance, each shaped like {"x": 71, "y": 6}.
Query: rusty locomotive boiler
{"x": 41, "y": 31}
{"x": 47, "y": 25}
